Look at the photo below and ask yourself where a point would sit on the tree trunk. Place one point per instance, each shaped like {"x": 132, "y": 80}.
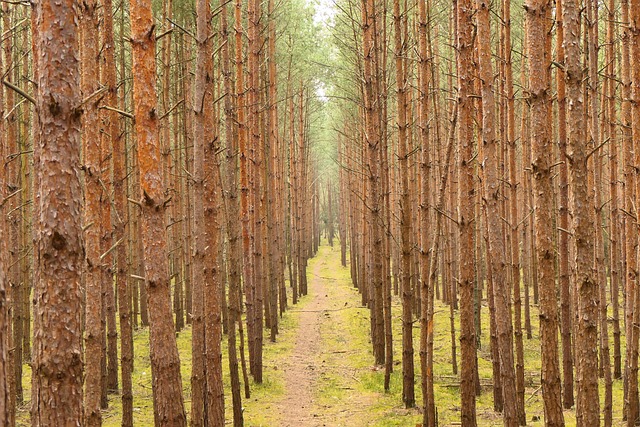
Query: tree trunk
{"x": 165, "y": 361}
{"x": 232, "y": 207}
{"x": 539, "y": 89}
{"x": 466, "y": 196}
{"x": 92, "y": 210}
{"x": 6, "y": 406}
{"x": 57, "y": 348}
{"x": 588, "y": 407}
{"x": 408, "y": 373}
{"x": 493, "y": 196}
{"x": 615, "y": 235}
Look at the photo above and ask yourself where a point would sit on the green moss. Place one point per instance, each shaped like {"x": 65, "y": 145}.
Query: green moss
{"x": 349, "y": 386}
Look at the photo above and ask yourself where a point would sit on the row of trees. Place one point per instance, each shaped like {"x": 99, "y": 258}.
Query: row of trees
{"x": 161, "y": 177}
{"x": 493, "y": 158}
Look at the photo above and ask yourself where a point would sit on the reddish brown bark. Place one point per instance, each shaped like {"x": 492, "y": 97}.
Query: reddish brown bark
{"x": 616, "y": 244}
{"x": 201, "y": 252}
{"x": 165, "y": 361}
{"x": 57, "y": 345}
{"x": 232, "y": 206}
{"x": 112, "y": 129}
{"x": 466, "y": 196}
{"x": 5, "y": 321}
{"x": 94, "y": 334}
{"x": 633, "y": 297}
{"x": 408, "y": 373}
{"x": 539, "y": 89}
{"x": 493, "y": 196}
{"x": 563, "y": 238}
{"x": 587, "y": 406}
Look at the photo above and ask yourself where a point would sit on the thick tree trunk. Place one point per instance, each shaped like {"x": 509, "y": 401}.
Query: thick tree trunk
{"x": 57, "y": 347}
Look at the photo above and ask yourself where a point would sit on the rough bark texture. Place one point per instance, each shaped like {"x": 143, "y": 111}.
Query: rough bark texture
{"x": 616, "y": 244}
{"x": 631, "y": 237}
{"x": 563, "y": 238}
{"x": 200, "y": 250}
{"x": 539, "y": 89}
{"x": 587, "y": 405}
{"x": 373, "y": 143}
{"x": 466, "y": 197}
{"x": 213, "y": 219}
{"x": 112, "y": 128}
{"x": 493, "y": 197}
{"x": 5, "y": 367}
{"x": 232, "y": 206}
{"x": 634, "y": 296}
{"x": 408, "y": 372}
{"x": 426, "y": 288}
{"x": 57, "y": 342}
{"x": 511, "y": 141}
{"x": 94, "y": 334}
{"x": 165, "y": 361}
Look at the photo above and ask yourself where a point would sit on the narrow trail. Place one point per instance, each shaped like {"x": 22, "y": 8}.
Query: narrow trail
{"x": 316, "y": 365}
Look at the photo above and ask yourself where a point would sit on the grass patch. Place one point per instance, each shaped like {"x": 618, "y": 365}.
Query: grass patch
{"x": 350, "y": 389}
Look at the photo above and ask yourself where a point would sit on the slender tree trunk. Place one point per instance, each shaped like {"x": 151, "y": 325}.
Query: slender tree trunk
{"x": 232, "y": 206}
{"x": 563, "y": 237}
{"x": 91, "y": 166}
{"x": 201, "y": 252}
{"x": 631, "y": 238}
{"x": 15, "y": 288}
{"x": 213, "y": 219}
{"x": 165, "y": 361}
{"x": 373, "y": 144}
{"x": 426, "y": 293}
{"x": 539, "y": 89}
{"x": 408, "y": 374}
{"x": 615, "y": 236}
{"x": 493, "y": 196}
{"x": 634, "y": 296}
{"x": 6, "y": 405}
{"x": 466, "y": 196}
{"x": 588, "y": 406}
{"x": 120, "y": 208}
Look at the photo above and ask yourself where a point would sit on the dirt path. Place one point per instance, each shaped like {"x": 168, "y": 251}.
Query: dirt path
{"x": 315, "y": 369}
{"x": 301, "y": 374}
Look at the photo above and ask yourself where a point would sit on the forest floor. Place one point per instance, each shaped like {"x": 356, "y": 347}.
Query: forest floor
{"x": 314, "y": 367}
{"x": 320, "y": 371}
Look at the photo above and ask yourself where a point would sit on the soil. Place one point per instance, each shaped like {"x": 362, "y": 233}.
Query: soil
{"x": 309, "y": 364}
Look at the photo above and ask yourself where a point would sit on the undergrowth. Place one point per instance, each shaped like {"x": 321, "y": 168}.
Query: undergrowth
{"x": 349, "y": 385}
